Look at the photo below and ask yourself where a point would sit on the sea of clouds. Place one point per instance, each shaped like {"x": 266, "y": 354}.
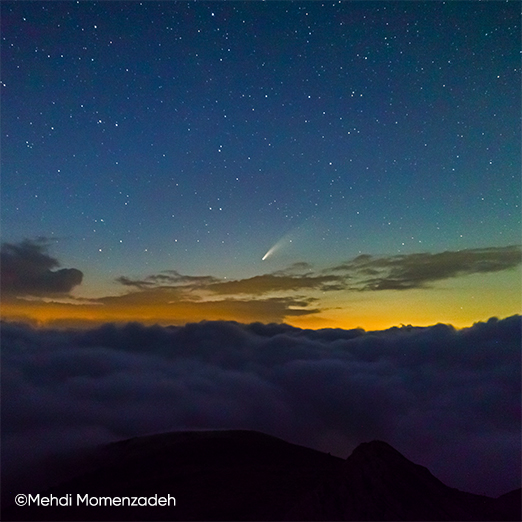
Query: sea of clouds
{"x": 447, "y": 399}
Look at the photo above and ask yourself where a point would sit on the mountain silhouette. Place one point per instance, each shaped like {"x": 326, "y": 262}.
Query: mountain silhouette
{"x": 246, "y": 475}
{"x": 376, "y": 482}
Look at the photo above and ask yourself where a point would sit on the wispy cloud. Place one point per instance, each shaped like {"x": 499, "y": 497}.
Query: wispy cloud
{"x": 405, "y": 272}
{"x": 263, "y": 284}
{"x": 167, "y": 278}
{"x": 365, "y": 272}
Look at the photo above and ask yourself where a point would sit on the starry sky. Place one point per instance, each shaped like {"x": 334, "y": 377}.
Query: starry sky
{"x": 154, "y": 153}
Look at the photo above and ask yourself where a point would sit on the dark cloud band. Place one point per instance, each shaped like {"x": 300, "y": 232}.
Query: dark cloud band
{"x": 405, "y": 272}
{"x": 26, "y": 269}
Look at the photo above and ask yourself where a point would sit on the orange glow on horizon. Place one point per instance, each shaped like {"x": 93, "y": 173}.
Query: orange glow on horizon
{"x": 468, "y": 300}
{"x": 369, "y": 316}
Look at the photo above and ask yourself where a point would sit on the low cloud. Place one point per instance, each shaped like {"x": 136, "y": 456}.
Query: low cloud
{"x": 363, "y": 273}
{"x": 26, "y": 269}
{"x": 263, "y": 284}
{"x": 289, "y": 280}
{"x": 405, "y": 272}
{"x": 184, "y": 306}
{"x": 447, "y": 399}
{"x": 167, "y": 278}
{"x": 159, "y": 306}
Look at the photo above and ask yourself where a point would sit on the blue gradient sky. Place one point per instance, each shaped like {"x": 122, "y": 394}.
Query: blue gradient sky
{"x": 139, "y": 138}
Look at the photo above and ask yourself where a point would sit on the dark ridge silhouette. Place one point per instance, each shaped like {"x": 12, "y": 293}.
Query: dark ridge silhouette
{"x": 378, "y": 483}
{"x": 246, "y": 475}
{"x": 510, "y": 504}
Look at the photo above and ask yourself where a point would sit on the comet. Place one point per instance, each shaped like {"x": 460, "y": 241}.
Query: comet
{"x": 277, "y": 246}
{"x": 269, "y": 252}
{"x": 294, "y": 232}
{"x": 265, "y": 256}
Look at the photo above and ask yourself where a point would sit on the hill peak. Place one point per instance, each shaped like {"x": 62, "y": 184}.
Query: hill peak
{"x": 377, "y": 482}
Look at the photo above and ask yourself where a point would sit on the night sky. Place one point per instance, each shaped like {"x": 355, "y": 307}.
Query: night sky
{"x": 153, "y": 153}
{"x": 301, "y": 218}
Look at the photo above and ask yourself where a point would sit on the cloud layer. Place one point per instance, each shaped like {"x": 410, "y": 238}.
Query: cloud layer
{"x": 448, "y": 399}
{"x": 364, "y": 273}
